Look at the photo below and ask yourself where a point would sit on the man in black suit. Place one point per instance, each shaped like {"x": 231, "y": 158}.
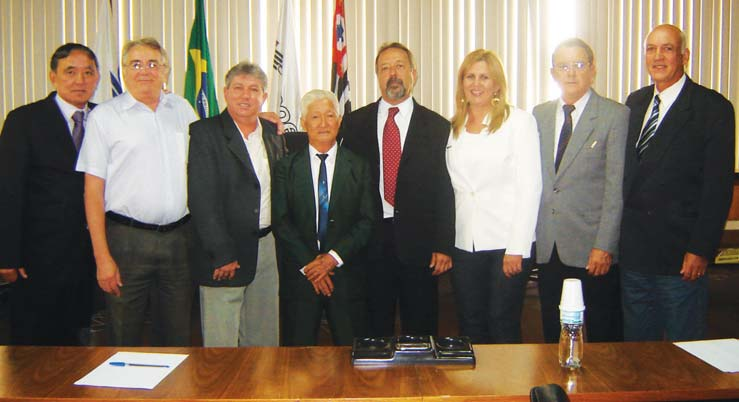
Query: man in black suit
{"x": 45, "y": 247}
{"x": 324, "y": 211}
{"x": 405, "y": 145}
{"x": 678, "y": 182}
{"x": 229, "y": 178}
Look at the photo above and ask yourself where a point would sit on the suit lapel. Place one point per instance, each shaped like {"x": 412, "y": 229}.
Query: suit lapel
{"x": 271, "y": 144}
{"x": 235, "y": 143}
{"x": 547, "y": 137}
{"x": 584, "y": 128}
{"x": 59, "y": 135}
{"x": 302, "y": 180}
{"x": 668, "y": 129}
{"x": 342, "y": 176}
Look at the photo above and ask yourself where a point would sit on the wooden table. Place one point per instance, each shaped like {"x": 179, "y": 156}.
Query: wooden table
{"x": 613, "y": 372}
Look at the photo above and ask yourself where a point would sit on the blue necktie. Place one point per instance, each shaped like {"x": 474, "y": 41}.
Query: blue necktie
{"x": 322, "y": 199}
{"x": 649, "y": 129}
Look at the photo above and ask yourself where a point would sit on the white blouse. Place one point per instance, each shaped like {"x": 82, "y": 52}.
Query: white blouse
{"x": 497, "y": 185}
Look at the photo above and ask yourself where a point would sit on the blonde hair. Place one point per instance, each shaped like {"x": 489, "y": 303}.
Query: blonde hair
{"x": 499, "y": 108}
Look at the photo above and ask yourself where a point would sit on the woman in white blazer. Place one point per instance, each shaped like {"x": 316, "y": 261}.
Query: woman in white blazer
{"x": 494, "y": 163}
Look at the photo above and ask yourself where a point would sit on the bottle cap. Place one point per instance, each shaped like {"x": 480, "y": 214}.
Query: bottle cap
{"x": 571, "y": 296}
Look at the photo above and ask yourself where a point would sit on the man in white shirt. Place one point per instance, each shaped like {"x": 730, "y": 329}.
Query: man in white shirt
{"x": 231, "y": 159}
{"x": 45, "y": 250}
{"x": 134, "y": 157}
{"x": 678, "y": 184}
{"x": 582, "y": 138}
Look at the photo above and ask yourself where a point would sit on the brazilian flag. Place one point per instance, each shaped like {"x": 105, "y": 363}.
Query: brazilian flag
{"x": 199, "y": 87}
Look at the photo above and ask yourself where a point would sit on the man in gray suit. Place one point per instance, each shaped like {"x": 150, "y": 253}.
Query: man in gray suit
{"x": 583, "y": 137}
{"x": 229, "y": 179}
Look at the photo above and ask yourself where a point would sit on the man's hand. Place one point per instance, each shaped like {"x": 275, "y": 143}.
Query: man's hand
{"x": 694, "y": 266}
{"x": 274, "y": 118}
{"x": 109, "y": 278}
{"x": 599, "y": 262}
{"x": 226, "y": 272}
{"x": 440, "y": 263}
{"x": 512, "y": 265}
{"x": 320, "y": 267}
{"x": 324, "y": 286}
{"x": 10, "y": 275}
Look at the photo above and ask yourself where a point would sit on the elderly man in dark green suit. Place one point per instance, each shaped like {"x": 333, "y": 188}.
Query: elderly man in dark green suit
{"x": 323, "y": 212}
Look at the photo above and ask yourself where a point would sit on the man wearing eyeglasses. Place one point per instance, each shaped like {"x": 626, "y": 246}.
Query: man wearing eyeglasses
{"x": 582, "y": 137}
{"x": 134, "y": 157}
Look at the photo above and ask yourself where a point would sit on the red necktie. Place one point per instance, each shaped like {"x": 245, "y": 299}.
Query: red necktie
{"x": 390, "y": 155}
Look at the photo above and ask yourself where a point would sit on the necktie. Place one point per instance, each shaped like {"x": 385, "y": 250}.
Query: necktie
{"x": 390, "y": 155}
{"x": 322, "y": 199}
{"x": 564, "y": 135}
{"x": 649, "y": 129}
{"x": 78, "y": 131}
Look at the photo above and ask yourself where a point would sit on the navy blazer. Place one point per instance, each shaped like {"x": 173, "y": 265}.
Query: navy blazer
{"x": 42, "y": 212}
{"x": 677, "y": 197}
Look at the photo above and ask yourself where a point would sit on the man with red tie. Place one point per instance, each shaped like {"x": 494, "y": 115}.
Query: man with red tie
{"x": 405, "y": 145}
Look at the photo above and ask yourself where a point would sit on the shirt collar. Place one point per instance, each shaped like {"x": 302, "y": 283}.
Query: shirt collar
{"x": 67, "y": 108}
{"x": 129, "y": 101}
{"x": 405, "y": 107}
{"x": 331, "y": 152}
{"x": 579, "y": 104}
{"x": 670, "y": 93}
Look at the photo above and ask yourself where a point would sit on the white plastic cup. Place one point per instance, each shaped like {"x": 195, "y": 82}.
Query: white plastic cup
{"x": 572, "y": 299}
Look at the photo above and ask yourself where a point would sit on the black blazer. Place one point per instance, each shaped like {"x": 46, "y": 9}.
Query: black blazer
{"x": 224, "y": 197}
{"x": 424, "y": 197}
{"x": 42, "y": 212}
{"x": 352, "y": 216}
{"x": 676, "y": 199}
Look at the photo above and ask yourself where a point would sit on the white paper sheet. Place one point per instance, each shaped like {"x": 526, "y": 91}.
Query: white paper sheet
{"x": 107, "y": 375}
{"x": 720, "y": 353}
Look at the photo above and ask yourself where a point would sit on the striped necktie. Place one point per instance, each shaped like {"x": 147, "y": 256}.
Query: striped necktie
{"x": 649, "y": 129}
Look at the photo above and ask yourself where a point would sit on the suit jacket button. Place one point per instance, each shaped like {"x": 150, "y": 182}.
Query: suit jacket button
{"x": 256, "y": 211}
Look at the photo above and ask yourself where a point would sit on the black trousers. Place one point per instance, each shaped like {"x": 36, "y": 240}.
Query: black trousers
{"x": 346, "y": 319}
{"x": 50, "y": 312}
{"x": 489, "y": 305}
{"x": 602, "y": 294}
{"x": 390, "y": 282}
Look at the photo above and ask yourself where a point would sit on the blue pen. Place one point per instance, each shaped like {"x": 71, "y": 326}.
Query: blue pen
{"x": 123, "y": 364}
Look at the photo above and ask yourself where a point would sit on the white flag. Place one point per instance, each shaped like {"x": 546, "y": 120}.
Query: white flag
{"x": 106, "y": 51}
{"x": 284, "y": 90}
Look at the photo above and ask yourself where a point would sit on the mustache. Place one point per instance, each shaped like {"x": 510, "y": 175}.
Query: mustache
{"x": 395, "y": 80}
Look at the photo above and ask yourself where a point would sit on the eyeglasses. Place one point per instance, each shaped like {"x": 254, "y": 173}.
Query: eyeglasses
{"x": 140, "y": 65}
{"x": 567, "y": 67}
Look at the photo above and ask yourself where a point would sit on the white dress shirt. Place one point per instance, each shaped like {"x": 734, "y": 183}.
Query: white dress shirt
{"x": 315, "y": 167}
{"x": 402, "y": 120}
{"x": 68, "y": 110}
{"x": 260, "y": 163}
{"x": 666, "y": 99}
{"x": 142, "y": 156}
{"x": 497, "y": 186}
{"x": 559, "y": 117}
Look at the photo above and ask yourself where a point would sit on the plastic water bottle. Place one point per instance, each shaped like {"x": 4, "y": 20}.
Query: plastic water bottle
{"x": 571, "y": 314}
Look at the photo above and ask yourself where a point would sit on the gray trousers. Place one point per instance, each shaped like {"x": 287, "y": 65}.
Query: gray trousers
{"x": 150, "y": 263}
{"x": 244, "y": 315}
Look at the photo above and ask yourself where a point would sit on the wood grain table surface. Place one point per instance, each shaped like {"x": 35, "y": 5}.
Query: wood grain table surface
{"x": 651, "y": 371}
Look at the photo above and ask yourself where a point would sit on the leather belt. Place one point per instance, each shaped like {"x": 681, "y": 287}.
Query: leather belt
{"x": 124, "y": 220}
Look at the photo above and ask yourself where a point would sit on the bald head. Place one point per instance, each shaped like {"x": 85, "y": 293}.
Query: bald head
{"x": 665, "y": 55}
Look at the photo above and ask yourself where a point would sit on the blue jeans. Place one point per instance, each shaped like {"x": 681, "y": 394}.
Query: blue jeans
{"x": 659, "y": 306}
{"x": 488, "y": 304}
